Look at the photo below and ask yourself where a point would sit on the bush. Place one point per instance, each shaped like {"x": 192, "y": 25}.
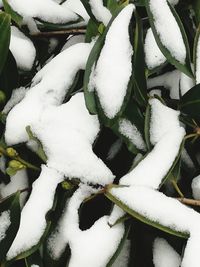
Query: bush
{"x": 100, "y": 133}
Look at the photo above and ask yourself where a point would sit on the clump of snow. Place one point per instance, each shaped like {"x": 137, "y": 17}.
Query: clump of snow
{"x": 186, "y": 83}
{"x": 19, "y": 181}
{"x": 123, "y": 257}
{"x": 166, "y": 134}
{"x": 130, "y": 131}
{"x": 187, "y": 160}
{"x": 46, "y": 10}
{"x": 153, "y": 56}
{"x": 114, "y": 66}
{"x": 105, "y": 238}
{"x": 116, "y": 214}
{"x": 51, "y": 84}
{"x": 169, "y": 80}
{"x": 4, "y": 223}
{"x": 114, "y": 149}
{"x": 17, "y": 95}
{"x": 18, "y": 43}
{"x": 71, "y": 126}
{"x": 53, "y": 43}
{"x": 75, "y": 39}
{"x": 154, "y": 92}
{"x": 101, "y": 13}
{"x": 77, "y": 7}
{"x": 173, "y": 2}
{"x": 33, "y": 221}
{"x": 196, "y": 187}
{"x": 164, "y": 255}
{"x": 34, "y": 265}
{"x": 1, "y": 3}
{"x": 168, "y": 29}
{"x": 198, "y": 62}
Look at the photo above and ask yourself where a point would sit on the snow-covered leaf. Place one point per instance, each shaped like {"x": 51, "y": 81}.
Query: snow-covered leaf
{"x": 14, "y": 15}
{"x": 196, "y": 52}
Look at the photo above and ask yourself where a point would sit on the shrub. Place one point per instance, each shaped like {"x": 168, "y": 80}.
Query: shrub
{"x": 100, "y": 131}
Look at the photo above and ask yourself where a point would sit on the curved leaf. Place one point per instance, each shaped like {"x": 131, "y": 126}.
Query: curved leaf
{"x": 14, "y": 15}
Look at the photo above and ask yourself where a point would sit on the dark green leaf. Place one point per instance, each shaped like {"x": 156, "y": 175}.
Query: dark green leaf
{"x": 87, "y": 6}
{"x": 147, "y": 127}
{"x": 34, "y": 259}
{"x": 14, "y": 15}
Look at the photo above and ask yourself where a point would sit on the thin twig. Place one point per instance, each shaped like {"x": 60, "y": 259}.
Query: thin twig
{"x": 188, "y": 201}
{"x": 57, "y": 33}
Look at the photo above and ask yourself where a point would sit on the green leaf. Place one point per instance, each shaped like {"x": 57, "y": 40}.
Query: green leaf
{"x": 147, "y": 127}
{"x": 87, "y": 6}
{"x": 190, "y": 102}
{"x": 14, "y": 15}
{"x": 196, "y": 6}
{"x": 121, "y": 245}
{"x": 91, "y": 31}
{"x": 142, "y": 218}
{"x": 196, "y": 40}
{"x": 10, "y": 204}
{"x": 34, "y": 259}
{"x": 112, "y": 5}
{"x": 186, "y": 68}
{"x": 4, "y": 38}
{"x": 140, "y": 88}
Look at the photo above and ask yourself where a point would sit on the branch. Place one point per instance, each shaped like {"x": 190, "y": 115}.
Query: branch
{"x": 188, "y": 201}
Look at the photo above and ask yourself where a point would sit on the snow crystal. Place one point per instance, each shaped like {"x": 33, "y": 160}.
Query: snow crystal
{"x": 71, "y": 126}
{"x": 123, "y": 257}
{"x": 18, "y": 181}
{"x": 101, "y": 13}
{"x": 196, "y": 187}
{"x": 114, "y": 66}
{"x": 105, "y": 239}
{"x": 46, "y": 10}
{"x": 169, "y": 80}
{"x": 4, "y": 223}
{"x": 166, "y": 134}
{"x": 168, "y": 29}
{"x": 17, "y": 95}
{"x": 33, "y": 221}
{"x": 164, "y": 255}
{"x": 51, "y": 85}
{"x": 75, "y": 39}
{"x": 198, "y": 62}
{"x": 77, "y": 7}
{"x": 153, "y": 56}
{"x": 130, "y": 131}
{"x": 18, "y": 43}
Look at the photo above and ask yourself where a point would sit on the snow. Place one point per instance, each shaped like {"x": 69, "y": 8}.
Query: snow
{"x": 168, "y": 29}
{"x": 105, "y": 238}
{"x": 153, "y": 56}
{"x": 123, "y": 258}
{"x": 186, "y": 83}
{"x": 75, "y": 39}
{"x": 164, "y": 255}
{"x": 77, "y": 7}
{"x": 196, "y": 187}
{"x": 18, "y": 43}
{"x": 17, "y": 95}
{"x": 71, "y": 126}
{"x": 114, "y": 149}
{"x": 1, "y": 3}
{"x": 130, "y": 131}
{"x": 166, "y": 134}
{"x": 4, "y": 223}
{"x": 19, "y": 181}
{"x": 169, "y": 80}
{"x": 46, "y": 10}
{"x": 198, "y": 62}
{"x": 34, "y": 265}
{"x": 50, "y": 86}
{"x": 173, "y": 2}
{"x": 115, "y": 215}
{"x": 154, "y": 92}
{"x": 114, "y": 66}
{"x": 101, "y": 13}
{"x": 33, "y": 221}
{"x": 187, "y": 160}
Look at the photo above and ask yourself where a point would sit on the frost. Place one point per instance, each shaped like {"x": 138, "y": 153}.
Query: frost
{"x": 168, "y": 29}
{"x": 46, "y": 10}
{"x": 130, "y": 131}
{"x": 71, "y": 126}
{"x": 33, "y": 220}
{"x": 101, "y": 13}
{"x": 164, "y": 255}
{"x": 51, "y": 84}
{"x": 4, "y": 223}
{"x": 153, "y": 56}
{"x": 18, "y": 43}
{"x": 114, "y": 66}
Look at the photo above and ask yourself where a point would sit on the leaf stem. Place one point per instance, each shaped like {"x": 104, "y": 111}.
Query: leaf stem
{"x": 176, "y": 187}
{"x": 61, "y": 32}
{"x": 188, "y": 201}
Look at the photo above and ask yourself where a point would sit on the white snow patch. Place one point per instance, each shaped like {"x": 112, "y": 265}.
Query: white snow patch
{"x": 114, "y": 66}
{"x": 169, "y": 80}
{"x": 187, "y": 160}
{"x": 75, "y": 39}
{"x": 22, "y": 49}
{"x": 196, "y": 187}
{"x": 101, "y": 13}
{"x": 33, "y": 221}
{"x": 168, "y": 29}
{"x": 198, "y": 61}
{"x": 173, "y": 2}
{"x": 164, "y": 255}
{"x": 123, "y": 258}
{"x": 153, "y": 56}
{"x": 1, "y": 3}
{"x": 46, "y": 10}
{"x": 17, "y": 95}
{"x": 115, "y": 215}
{"x": 67, "y": 133}
{"x": 155, "y": 92}
{"x": 186, "y": 83}
{"x": 51, "y": 84}
{"x": 114, "y": 149}
{"x": 4, "y": 223}
{"x": 130, "y": 131}
{"x": 77, "y": 7}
